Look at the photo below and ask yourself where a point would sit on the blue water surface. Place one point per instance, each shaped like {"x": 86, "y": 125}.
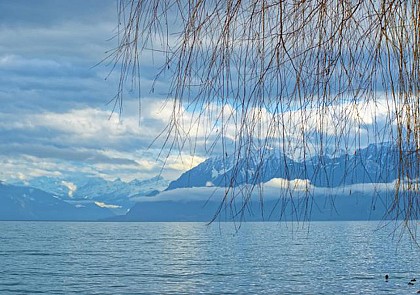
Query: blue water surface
{"x": 194, "y": 258}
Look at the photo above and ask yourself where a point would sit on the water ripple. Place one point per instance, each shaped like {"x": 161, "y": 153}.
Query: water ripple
{"x": 192, "y": 258}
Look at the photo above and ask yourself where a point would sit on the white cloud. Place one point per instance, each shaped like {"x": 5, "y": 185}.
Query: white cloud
{"x": 273, "y": 190}
{"x": 187, "y": 194}
{"x": 294, "y": 185}
{"x": 112, "y": 147}
{"x": 22, "y": 170}
{"x": 209, "y": 184}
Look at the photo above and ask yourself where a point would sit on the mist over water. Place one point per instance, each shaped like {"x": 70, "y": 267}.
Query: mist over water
{"x": 192, "y": 258}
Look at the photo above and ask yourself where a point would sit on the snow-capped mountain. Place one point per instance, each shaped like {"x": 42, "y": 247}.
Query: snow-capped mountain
{"x": 377, "y": 163}
{"x": 28, "y": 203}
{"x": 112, "y": 194}
{"x": 118, "y": 190}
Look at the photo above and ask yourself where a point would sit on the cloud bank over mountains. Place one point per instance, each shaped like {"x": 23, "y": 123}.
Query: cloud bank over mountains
{"x": 256, "y": 193}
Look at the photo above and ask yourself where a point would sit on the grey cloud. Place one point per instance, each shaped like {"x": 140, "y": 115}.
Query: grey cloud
{"x": 55, "y": 91}
{"x": 35, "y": 135}
{"x": 58, "y": 29}
{"x": 49, "y": 51}
{"x": 18, "y": 66}
{"x": 63, "y": 153}
{"x": 49, "y": 12}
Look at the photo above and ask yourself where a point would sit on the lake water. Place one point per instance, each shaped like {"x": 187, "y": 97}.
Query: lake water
{"x": 193, "y": 258}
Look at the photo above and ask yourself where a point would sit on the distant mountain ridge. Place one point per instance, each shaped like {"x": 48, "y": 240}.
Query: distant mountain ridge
{"x": 28, "y": 203}
{"x": 355, "y": 186}
{"x": 116, "y": 193}
{"x": 92, "y": 198}
{"x": 377, "y": 163}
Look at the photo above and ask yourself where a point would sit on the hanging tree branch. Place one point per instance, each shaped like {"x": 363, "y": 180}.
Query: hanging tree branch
{"x": 294, "y": 74}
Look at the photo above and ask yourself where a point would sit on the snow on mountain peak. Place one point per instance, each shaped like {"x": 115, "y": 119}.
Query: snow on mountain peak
{"x": 375, "y": 163}
{"x": 82, "y": 188}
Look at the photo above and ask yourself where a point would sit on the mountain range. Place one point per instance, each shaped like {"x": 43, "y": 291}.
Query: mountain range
{"x": 116, "y": 195}
{"x": 378, "y": 163}
{"x": 28, "y": 203}
{"x": 155, "y": 199}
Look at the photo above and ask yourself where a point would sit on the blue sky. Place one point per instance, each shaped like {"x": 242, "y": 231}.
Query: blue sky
{"x": 54, "y": 118}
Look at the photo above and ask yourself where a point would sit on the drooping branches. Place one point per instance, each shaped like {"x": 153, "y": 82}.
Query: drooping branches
{"x": 308, "y": 77}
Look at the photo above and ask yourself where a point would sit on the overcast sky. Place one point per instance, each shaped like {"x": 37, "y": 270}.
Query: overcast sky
{"x": 54, "y": 116}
